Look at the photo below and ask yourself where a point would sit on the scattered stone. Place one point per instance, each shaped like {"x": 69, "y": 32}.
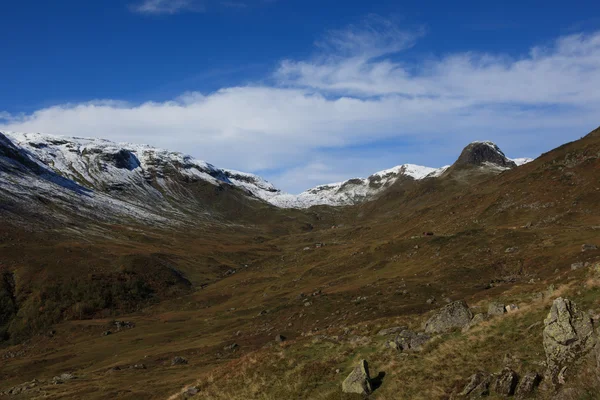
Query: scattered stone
{"x": 391, "y": 331}
{"x": 62, "y": 378}
{"x": 588, "y": 247}
{"x": 23, "y": 388}
{"x": 511, "y": 250}
{"x": 191, "y": 391}
{"x": 506, "y": 383}
{"x": 511, "y": 308}
{"x": 262, "y": 312}
{"x": 231, "y": 347}
{"x": 138, "y": 366}
{"x": 280, "y": 338}
{"x": 308, "y": 304}
{"x": 568, "y": 335}
{"x": 359, "y": 380}
{"x": 477, "y": 386}
{"x": 528, "y": 384}
{"x": 495, "y": 309}
{"x": 106, "y": 333}
{"x": 453, "y": 315}
{"x": 123, "y": 325}
{"x": 431, "y": 300}
{"x": 477, "y": 319}
{"x": 177, "y": 360}
{"x": 576, "y": 266}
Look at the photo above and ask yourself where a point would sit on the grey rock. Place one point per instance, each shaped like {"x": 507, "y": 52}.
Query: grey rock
{"x": 511, "y": 250}
{"x": 191, "y": 392}
{"x": 568, "y": 335}
{"x": 506, "y": 383}
{"x": 495, "y": 309}
{"x": 528, "y": 384}
{"x": 451, "y": 316}
{"x": 359, "y": 380}
{"x": 409, "y": 341}
{"x": 177, "y": 360}
{"x": 477, "y": 386}
{"x": 231, "y": 347}
{"x": 576, "y": 266}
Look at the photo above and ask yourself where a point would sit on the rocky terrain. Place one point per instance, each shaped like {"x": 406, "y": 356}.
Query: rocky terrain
{"x": 131, "y": 272}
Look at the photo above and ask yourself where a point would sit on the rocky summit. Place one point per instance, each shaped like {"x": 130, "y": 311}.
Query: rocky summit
{"x": 132, "y": 272}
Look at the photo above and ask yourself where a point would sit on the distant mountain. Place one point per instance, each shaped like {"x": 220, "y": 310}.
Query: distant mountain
{"x": 100, "y": 177}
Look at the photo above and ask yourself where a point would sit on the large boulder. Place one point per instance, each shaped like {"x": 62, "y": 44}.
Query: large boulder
{"x": 359, "y": 380}
{"x": 568, "y": 335}
{"x": 451, "y": 316}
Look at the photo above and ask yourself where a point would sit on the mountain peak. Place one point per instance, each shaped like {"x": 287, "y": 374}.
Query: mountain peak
{"x": 482, "y": 153}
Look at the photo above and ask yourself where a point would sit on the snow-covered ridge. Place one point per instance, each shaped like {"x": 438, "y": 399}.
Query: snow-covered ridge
{"x": 151, "y": 173}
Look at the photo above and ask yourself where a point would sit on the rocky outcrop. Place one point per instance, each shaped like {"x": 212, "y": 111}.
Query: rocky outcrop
{"x": 359, "y": 380}
{"x": 568, "y": 335}
{"x": 479, "y": 153}
{"x": 451, "y": 316}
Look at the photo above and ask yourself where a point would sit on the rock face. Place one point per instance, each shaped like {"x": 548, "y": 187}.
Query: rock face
{"x": 568, "y": 335}
{"x": 506, "y": 383}
{"x": 359, "y": 380}
{"x": 451, "y": 316}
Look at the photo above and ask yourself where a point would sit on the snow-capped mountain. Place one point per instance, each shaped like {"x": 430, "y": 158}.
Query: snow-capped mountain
{"x": 149, "y": 183}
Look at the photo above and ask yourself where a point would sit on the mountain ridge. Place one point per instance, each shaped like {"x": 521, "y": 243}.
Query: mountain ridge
{"x": 111, "y": 167}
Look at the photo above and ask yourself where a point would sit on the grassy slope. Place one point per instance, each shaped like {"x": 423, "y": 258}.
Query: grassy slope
{"x": 547, "y": 209}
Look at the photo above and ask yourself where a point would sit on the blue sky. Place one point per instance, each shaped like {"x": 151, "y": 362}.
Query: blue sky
{"x": 304, "y": 92}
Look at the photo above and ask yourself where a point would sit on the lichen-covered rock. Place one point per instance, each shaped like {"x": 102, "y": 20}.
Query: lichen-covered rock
{"x": 359, "y": 380}
{"x": 506, "y": 383}
{"x": 477, "y": 386}
{"x": 451, "y": 316}
{"x": 568, "y": 335}
{"x": 527, "y": 385}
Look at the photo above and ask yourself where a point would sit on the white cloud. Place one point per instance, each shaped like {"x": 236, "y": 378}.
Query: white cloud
{"x": 319, "y": 121}
{"x": 166, "y": 6}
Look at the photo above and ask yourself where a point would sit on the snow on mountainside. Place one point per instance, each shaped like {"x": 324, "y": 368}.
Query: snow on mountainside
{"x": 130, "y": 176}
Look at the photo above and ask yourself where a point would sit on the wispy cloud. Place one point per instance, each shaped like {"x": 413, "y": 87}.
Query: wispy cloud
{"x": 167, "y": 6}
{"x": 357, "y": 92}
